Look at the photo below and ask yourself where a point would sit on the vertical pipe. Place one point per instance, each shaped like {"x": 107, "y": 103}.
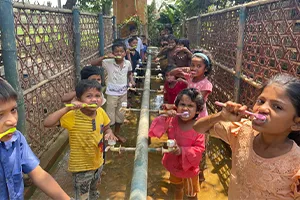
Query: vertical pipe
{"x": 114, "y": 27}
{"x": 239, "y": 54}
{"x": 76, "y": 29}
{"x": 9, "y": 54}
{"x": 101, "y": 35}
{"x": 140, "y": 173}
{"x": 183, "y": 30}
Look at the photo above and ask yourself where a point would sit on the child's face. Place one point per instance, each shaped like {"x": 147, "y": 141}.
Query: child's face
{"x": 91, "y": 96}
{"x": 187, "y": 105}
{"x": 180, "y": 45}
{"x": 95, "y": 77}
{"x": 133, "y": 43}
{"x": 8, "y": 117}
{"x": 274, "y": 103}
{"x": 119, "y": 52}
{"x": 169, "y": 77}
{"x": 197, "y": 67}
{"x": 171, "y": 44}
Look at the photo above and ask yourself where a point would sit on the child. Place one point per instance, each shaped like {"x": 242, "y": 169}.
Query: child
{"x": 90, "y": 73}
{"x": 183, "y": 162}
{"x": 183, "y": 55}
{"x": 86, "y": 126}
{"x": 265, "y": 162}
{"x": 172, "y": 86}
{"x": 133, "y": 53}
{"x": 196, "y": 75}
{"x": 118, "y": 70}
{"x": 16, "y": 156}
{"x": 169, "y": 50}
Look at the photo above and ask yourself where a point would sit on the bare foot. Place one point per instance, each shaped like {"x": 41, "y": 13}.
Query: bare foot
{"x": 201, "y": 177}
{"x": 121, "y": 139}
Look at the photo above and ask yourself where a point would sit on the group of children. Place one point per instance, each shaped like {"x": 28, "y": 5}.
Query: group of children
{"x": 265, "y": 158}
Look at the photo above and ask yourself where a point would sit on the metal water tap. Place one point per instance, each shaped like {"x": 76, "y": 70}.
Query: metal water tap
{"x": 159, "y": 76}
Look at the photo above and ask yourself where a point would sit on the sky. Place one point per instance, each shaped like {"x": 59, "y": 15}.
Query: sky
{"x": 54, "y": 2}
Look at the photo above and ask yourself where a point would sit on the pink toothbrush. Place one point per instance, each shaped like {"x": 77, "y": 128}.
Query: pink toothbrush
{"x": 256, "y": 115}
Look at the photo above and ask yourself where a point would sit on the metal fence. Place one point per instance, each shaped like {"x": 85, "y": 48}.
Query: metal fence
{"x": 46, "y": 59}
{"x": 250, "y": 43}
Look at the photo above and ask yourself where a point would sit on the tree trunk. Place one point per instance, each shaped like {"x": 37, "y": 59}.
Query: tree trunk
{"x": 70, "y": 4}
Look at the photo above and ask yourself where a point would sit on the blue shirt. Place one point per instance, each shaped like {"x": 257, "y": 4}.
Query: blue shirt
{"x": 15, "y": 157}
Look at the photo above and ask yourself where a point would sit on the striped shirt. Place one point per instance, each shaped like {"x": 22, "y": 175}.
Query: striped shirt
{"x": 85, "y": 138}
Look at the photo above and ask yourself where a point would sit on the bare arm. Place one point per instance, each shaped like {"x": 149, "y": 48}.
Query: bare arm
{"x": 130, "y": 77}
{"x": 47, "y": 184}
{"x": 98, "y": 61}
{"x": 203, "y": 124}
{"x": 67, "y": 98}
{"x": 231, "y": 112}
{"x": 53, "y": 119}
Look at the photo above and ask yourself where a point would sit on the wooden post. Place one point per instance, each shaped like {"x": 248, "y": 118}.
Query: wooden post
{"x": 9, "y": 54}
{"x": 239, "y": 54}
{"x": 76, "y": 29}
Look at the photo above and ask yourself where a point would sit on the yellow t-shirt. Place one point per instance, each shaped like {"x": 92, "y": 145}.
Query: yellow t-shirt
{"x": 85, "y": 138}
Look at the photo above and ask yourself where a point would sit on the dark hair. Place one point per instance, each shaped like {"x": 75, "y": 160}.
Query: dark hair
{"x": 195, "y": 96}
{"x": 85, "y": 85}
{"x": 7, "y": 92}
{"x": 88, "y": 71}
{"x": 291, "y": 85}
{"x": 118, "y": 44}
{"x": 132, "y": 28}
{"x": 169, "y": 68}
{"x": 172, "y": 37}
{"x": 132, "y": 39}
{"x": 185, "y": 42}
{"x": 207, "y": 66}
{"x": 118, "y": 40}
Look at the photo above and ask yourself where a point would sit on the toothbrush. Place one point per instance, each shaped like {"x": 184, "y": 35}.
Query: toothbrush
{"x": 256, "y": 115}
{"x": 9, "y": 131}
{"x": 184, "y": 114}
{"x": 83, "y": 105}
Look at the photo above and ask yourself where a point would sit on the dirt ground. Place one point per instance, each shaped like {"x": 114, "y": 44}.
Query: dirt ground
{"x": 116, "y": 181}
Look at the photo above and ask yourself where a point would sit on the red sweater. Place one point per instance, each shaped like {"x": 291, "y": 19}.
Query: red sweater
{"x": 171, "y": 93}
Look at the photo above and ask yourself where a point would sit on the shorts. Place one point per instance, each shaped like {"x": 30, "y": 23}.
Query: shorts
{"x": 113, "y": 105}
{"x": 85, "y": 184}
{"x": 190, "y": 185}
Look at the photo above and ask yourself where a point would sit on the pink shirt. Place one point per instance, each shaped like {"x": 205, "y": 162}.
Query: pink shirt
{"x": 254, "y": 177}
{"x": 203, "y": 85}
{"x": 192, "y": 145}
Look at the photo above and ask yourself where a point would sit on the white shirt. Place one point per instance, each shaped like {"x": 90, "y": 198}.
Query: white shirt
{"x": 139, "y": 45}
{"x": 117, "y": 76}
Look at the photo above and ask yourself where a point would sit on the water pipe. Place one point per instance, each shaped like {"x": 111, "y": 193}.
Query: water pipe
{"x": 140, "y": 168}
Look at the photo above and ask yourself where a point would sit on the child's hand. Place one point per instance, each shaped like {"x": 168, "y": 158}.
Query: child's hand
{"x": 77, "y": 105}
{"x": 176, "y": 150}
{"x": 132, "y": 83}
{"x": 233, "y": 111}
{"x": 109, "y": 135}
{"x": 157, "y": 60}
{"x": 128, "y": 51}
{"x": 171, "y": 113}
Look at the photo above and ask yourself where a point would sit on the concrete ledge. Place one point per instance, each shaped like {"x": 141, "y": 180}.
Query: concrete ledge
{"x": 48, "y": 158}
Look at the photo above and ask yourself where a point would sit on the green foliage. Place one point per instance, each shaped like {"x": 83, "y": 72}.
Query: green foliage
{"x": 95, "y": 6}
{"x": 174, "y": 12}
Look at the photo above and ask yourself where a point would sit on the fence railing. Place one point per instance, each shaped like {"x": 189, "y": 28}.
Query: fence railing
{"x": 250, "y": 43}
{"x": 51, "y": 45}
